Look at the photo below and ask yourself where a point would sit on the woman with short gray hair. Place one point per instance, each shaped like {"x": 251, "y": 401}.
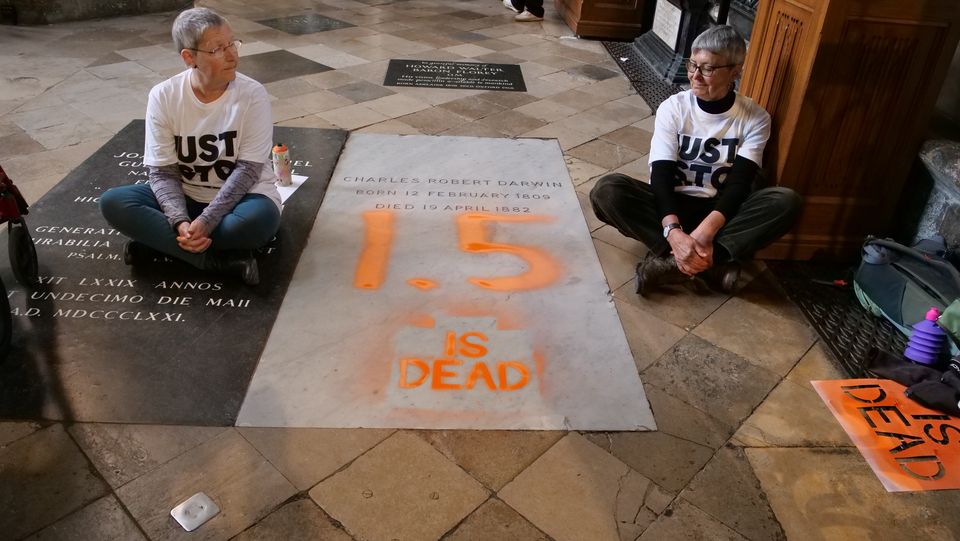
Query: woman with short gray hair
{"x": 212, "y": 197}
{"x": 698, "y": 216}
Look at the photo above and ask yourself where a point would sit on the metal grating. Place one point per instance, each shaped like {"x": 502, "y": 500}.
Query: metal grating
{"x": 649, "y": 84}
{"x": 848, "y": 330}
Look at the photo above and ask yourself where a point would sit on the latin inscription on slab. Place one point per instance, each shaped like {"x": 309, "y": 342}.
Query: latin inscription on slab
{"x": 450, "y": 282}
{"x": 157, "y": 343}
{"x": 441, "y": 74}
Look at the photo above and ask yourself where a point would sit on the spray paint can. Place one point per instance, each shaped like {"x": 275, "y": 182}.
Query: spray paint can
{"x": 281, "y": 164}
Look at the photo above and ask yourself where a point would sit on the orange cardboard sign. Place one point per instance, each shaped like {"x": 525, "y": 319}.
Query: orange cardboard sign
{"x": 909, "y": 447}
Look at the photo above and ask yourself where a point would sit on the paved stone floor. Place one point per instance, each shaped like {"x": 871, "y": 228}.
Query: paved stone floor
{"x": 745, "y": 449}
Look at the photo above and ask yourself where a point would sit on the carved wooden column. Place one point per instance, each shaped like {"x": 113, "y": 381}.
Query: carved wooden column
{"x": 851, "y": 85}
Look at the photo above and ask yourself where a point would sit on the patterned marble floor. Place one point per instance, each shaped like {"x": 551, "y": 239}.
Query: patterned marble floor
{"x": 745, "y": 449}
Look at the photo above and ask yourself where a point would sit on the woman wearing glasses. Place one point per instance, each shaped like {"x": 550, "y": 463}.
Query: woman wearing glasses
{"x": 698, "y": 215}
{"x": 211, "y": 198}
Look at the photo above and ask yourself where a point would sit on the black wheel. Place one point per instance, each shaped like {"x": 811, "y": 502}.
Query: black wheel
{"x": 6, "y": 322}
{"x": 23, "y": 254}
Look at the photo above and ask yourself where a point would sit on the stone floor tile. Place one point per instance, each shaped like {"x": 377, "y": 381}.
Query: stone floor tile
{"x": 618, "y": 265}
{"x": 612, "y": 89}
{"x": 297, "y": 520}
{"x": 102, "y": 519}
{"x": 638, "y": 169}
{"x": 604, "y": 154}
{"x": 677, "y": 418}
{"x": 18, "y": 144}
{"x": 353, "y": 116}
{"x": 306, "y": 121}
{"x": 121, "y": 453}
{"x": 635, "y": 100}
{"x": 390, "y": 126}
{"x": 468, "y": 50}
{"x": 832, "y": 494}
{"x": 559, "y": 62}
{"x": 593, "y": 223}
{"x": 373, "y": 54}
{"x": 682, "y": 305}
{"x": 434, "y": 120}
{"x": 495, "y": 520}
{"x": 619, "y": 112}
{"x": 507, "y": 99}
{"x": 631, "y": 137}
{"x": 493, "y": 457}
{"x": 318, "y": 101}
{"x": 581, "y": 171}
{"x": 667, "y": 460}
{"x": 564, "y": 131}
{"x": 328, "y": 79}
{"x": 591, "y": 73}
{"x": 576, "y": 491}
{"x": 649, "y": 336}
{"x": 44, "y": 477}
{"x": 817, "y": 363}
{"x": 758, "y": 335}
{"x": 289, "y": 88}
{"x": 472, "y": 107}
{"x": 511, "y": 123}
{"x": 610, "y": 235}
{"x": 578, "y": 99}
{"x": 305, "y": 456}
{"x": 362, "y": 91}
{"x": 14, "y": 430}
{"x": 396, "y": 105}
{"x": 473, "y": 129}
{"x": 685, "y": 522}
{"x": 792, "y": 416}
{"x": 228, "y": 469}
{"x": 532, "y": 70}
{"x": 728, "y": 491}
{"x": 546, "y": 110}
{"x": 496, "y": 44}
{"x": 765, "y": 291}
{"x": 401, "y": 489}
{"x": 711, "y": 379}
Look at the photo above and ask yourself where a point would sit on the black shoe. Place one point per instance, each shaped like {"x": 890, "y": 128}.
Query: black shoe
{"x": 243, "y": 265}
{"x": 655, "y": 271}
{"x": 723, "y": 277}
{"x": 137, "y": 253}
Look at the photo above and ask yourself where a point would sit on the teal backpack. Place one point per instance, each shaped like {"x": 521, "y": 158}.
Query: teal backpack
{"x": 901, "y": 283}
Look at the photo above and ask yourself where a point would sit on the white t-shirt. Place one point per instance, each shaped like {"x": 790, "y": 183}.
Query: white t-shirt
{"x": 704, "y": 145}
{"x": 206, "y": 139}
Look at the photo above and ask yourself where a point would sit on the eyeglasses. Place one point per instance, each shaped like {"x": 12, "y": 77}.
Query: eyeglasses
{"x": 235, "y": 45}
{"x": 704, "y": 69}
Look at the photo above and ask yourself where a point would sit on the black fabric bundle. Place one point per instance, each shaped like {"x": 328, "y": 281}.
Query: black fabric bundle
{"x": 925, "y": 385}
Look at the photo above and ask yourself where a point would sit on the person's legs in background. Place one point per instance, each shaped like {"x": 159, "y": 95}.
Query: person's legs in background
{"x": 527, "y": 10}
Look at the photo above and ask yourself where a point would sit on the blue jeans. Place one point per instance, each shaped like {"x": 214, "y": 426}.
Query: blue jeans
{"x": 134, "y": 211}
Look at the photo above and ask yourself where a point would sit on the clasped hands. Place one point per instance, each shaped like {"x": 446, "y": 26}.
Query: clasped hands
{"x": 193, "y": 236}
{"x": 693, "y": 252}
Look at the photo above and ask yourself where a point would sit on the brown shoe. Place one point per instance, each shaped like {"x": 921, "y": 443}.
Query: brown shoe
{"x": 655, "y": 271}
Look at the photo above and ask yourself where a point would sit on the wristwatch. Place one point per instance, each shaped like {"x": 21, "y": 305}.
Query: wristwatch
{"x": 670, "y": 227}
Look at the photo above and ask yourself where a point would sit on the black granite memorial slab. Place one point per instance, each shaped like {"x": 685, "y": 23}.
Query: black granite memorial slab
{"x": 442, "y": 74}
{"x": 305, "y": 24}
{"x": 279, "y": 65}
{"x": 159, "y": 343}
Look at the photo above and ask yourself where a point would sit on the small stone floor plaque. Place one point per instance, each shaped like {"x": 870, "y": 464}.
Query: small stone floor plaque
{"x": 449, "y": 282}
{"x": 443, "y": 74}
{"x": 305, "y": 24}
{"x": 165, "y": 343}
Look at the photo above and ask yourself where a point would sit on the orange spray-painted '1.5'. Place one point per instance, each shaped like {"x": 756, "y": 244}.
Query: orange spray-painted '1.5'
{"x": 472, "y": 228}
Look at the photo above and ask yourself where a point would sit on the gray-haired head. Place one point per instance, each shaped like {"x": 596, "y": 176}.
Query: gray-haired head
{"x": 723, "y": 40}
{"x": 189, "y": 26}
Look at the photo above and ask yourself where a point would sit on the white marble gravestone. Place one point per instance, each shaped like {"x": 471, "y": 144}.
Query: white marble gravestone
{"x": 448, "y": 282}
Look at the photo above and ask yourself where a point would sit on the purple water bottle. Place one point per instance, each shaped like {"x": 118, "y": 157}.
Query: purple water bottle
{"x": 926, "y": 342}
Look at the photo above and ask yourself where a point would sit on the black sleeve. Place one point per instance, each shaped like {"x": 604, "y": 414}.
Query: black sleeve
{"x": 663, "y": 179}
{"x": 736, "y": 187}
